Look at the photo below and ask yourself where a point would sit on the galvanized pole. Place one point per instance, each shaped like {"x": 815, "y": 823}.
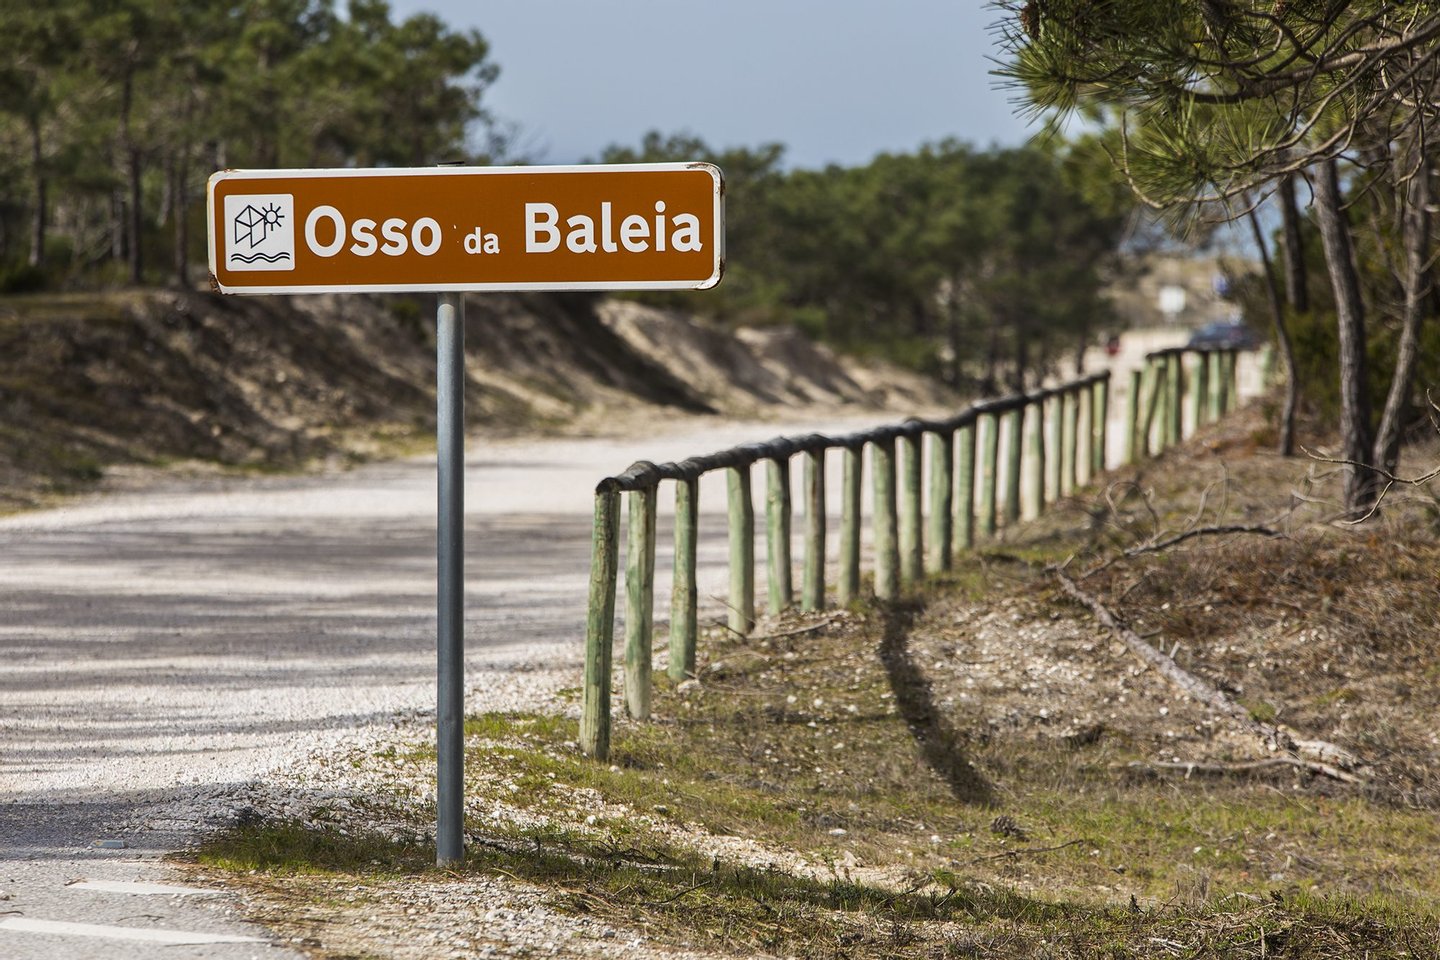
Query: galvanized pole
{"x": 450, "y": 579}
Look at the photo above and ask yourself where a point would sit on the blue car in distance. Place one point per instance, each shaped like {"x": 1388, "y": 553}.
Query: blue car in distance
{"x": 1224, "y": 335}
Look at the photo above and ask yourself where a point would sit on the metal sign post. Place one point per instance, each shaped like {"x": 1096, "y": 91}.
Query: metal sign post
{"x": 450, "y": 578}
{"x": 657, "y": 226}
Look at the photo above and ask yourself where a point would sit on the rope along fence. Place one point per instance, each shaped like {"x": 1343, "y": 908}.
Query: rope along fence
{"x": 1055, "y": 439}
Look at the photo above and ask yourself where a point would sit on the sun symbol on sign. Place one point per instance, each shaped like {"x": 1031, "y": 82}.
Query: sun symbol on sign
{"x": 253, "y": 225}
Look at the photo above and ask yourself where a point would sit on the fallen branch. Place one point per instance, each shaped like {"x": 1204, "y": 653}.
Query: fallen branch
{"x": 1318, "y": 756}
{"x": 1019, "y": 850}
{"x": 1242, "y": 769}
{"x": 1203, "y": 532}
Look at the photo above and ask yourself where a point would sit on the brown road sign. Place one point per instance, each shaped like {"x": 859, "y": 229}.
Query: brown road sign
{"x": 607, "y": 227}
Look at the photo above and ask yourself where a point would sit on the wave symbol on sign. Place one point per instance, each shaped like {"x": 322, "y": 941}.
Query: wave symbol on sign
{"x": 267, "y": 257}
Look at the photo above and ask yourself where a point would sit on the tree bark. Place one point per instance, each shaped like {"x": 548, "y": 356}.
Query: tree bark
{"x": 181, "y": 206}
{"x": 1355, "y": 435}
{"x": 1297, "y": 293}
{"x": 37, "y": 167}
{"x": 1286, "y": 444}
{"x": 1414, "y": 193}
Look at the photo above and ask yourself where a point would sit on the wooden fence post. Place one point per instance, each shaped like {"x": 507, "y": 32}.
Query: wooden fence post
{"x": 812, "y": 587}
{"x": 988, "y": 429}
{"x": 742, "y": 551}
{"x": 1202, "y": 389}
{"x": 847, "y": 589}
{"x": 1014, "y": 432}
{"x": 1155, "y": 409}
{"x": 942, "y": 497}
{"x": 1232, "y": 380}
{"x": 965, "y": 488}
{"x": 1216, "y": 380}
{"x": 1133, "y": 446}
{"x": 684, "y": 622}
{"x": 1197, "y": 395}
{"x": 1069, "y": 427}
{"x": 1055, "y": 431}
{"x": 1084, "y": 425}
{"x": 1035, "y": 414}
{"x": 639, "y": 601}
{"x": 1175, "y": 402}
{"x": 777, "y": 534}
{"x": 1099, "y": 427}
{"x": 912, "y": 548}
{"x": 600, "y": 625}
{"x": 887, "y": 551}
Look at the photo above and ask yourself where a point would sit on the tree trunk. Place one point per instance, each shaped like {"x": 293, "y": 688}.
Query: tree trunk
{"x": 1286, "y": 444}
{"x": 1414, "y": 193}
{"x": 135, "y": 221}
{"x": 37, "y": 168}
{"x": 1355, "y": 438}
{"x": 1297, "y": 293}
{"x": 180, "y": 205}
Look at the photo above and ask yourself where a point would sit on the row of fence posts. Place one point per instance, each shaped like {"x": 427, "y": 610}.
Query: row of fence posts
{"x": 1055, "y": 437}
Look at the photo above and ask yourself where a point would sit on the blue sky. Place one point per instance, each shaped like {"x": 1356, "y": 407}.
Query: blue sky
{"x": 837, "y": 82}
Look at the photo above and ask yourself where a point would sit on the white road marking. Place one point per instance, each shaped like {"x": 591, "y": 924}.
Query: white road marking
{"x": 67, "y": 929}
{"x": 143, "y": 889}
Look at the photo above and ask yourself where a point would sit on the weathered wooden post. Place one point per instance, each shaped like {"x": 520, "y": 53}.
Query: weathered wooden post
{"x": 742, "y": 551}
{"x": 1035, "y": 414}
{"x": 887, "y": 551}
{"x": 965, "y": 487}
{"x": 1084, "y": 424}
{"x": 639, "y": 601}
{"x": 1155, "y": 408}
{"x": 847, "y": 588}
{"x": 1055, "y": 431}
{"x": 912, "y": 555}
{"x": 1099, "y": 428}
{"x": 942, "y": 498}
{"x": 988, "y": 429}
{"x": 1069, "y": 428}
{"x": 1133, "y": 446}
{"x": 1232, "y": 380}
{"x": 1175, "y": 402}
{"x": 812, "y": 587}
{"x": 777, "y": 533}
{"x": 1202, "y": 389}
{"x": 1214, "y": 399}
{"x": 1014, "y": 450}
{"x": 684, "y": 620}
{"x": 1197, "y": 394}
{"x": 600, "y": 623}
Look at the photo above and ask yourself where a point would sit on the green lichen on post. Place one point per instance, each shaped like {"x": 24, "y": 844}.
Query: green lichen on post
{"x": 1014, "y": 450}
{"x": 988, "y": 429}
{"x": 1175, "y": 401}
{"x": 911, "y": 541}
{"x": 639, "y": 602}
{"x": 1100, "y": 411}
{"x": 683, "y": 616}
{"x": 600, "y": 626}
{"x": 887, "y": 551}
{"x": 1069, "y": 427}
{"x": 777, "y": 534}
{"x": 965, "y": 487}
{"x": 1035, "y": 459}
{"x": 1054, "y": 460}
{"x": 742, "y": 551}
{"x": 847, "y": 588}
{"x": 812, "y": 586}
{"x": 940, "y": 536}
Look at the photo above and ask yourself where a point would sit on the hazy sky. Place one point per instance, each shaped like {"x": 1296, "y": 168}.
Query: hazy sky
{"x": 835, "y": 81}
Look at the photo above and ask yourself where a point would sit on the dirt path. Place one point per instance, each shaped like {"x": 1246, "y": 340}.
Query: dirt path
{"x": 162, "y": 648}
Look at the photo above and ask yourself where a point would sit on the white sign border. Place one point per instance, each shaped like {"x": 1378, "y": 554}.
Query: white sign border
{"x": 718, "y": 239}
